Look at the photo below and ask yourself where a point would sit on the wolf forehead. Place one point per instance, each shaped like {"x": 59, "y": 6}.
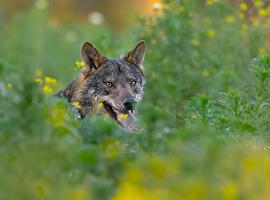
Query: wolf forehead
{"x": 119, "y": 70}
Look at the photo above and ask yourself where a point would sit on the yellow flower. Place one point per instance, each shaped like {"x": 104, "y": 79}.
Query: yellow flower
{"x": 263, "y": 12}
{"x": 229, "y": 190}
{"x": 130, "y": 191}
{"x": 47, "y": 90}
{"x": 100, "y": 105}
{"x": 79, "y": 64}
{"x": 210, "y": 2}
{"x": 243, "y": 6}
{"x": 38, "y": 80}
{"x": 258, "y": 3}
{"x": 261, "y": 51}
{"x": 211, "y": 33}
{"x": 76, "y": 104}
{"x": 229, "y": 19}
{"x": 38, "y": 72}
{"x": 123, "y": 116}
{"x": 50, "y": 80}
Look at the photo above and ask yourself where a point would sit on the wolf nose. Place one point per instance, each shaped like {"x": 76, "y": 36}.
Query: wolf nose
{"x": 129, "y": 103}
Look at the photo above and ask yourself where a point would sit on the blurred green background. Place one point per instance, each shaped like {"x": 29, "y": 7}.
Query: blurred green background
{"x": 204, "y": 120}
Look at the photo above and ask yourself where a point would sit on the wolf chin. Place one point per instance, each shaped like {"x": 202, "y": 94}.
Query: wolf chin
{"x": 108, "y": 86}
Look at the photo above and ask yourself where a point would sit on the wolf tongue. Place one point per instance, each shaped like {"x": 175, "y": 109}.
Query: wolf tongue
{"x": 127, "y": 120}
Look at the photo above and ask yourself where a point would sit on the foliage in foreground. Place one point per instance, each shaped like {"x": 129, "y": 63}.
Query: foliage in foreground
{"x": 205, "y": 130}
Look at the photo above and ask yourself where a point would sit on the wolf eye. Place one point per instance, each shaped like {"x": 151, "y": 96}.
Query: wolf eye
{"x": 132, "y": 83}
{"x": 109, "y": 84}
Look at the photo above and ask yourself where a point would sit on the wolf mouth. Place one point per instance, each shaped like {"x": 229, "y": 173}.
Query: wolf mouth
{"x": 110, "y": 110}
{"x": 124, "y": 117}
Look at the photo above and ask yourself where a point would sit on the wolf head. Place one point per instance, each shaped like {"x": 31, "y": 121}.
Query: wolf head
{"x": 112, "y": 85}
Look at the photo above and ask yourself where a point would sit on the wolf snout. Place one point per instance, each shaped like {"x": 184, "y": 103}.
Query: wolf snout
{"x": 129, "y": 103}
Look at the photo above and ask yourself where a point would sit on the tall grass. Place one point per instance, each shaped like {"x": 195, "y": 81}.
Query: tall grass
{"x": 204, "y": 119}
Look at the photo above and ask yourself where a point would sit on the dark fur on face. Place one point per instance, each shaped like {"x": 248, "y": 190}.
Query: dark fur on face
{"x": 108, "y": 86}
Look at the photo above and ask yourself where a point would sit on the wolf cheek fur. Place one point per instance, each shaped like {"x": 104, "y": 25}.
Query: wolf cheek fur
{"x": 115, "y": 84}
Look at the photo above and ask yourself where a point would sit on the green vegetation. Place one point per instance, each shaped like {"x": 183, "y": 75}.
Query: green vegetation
{"x": 204, "y": 119}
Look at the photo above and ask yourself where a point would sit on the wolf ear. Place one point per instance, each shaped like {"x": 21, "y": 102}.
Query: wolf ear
{"x": 136, "y": 56}
{"x": 91, "y": 56}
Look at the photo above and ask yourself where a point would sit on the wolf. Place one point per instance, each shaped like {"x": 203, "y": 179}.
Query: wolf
{"x": 108, "y": 86}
